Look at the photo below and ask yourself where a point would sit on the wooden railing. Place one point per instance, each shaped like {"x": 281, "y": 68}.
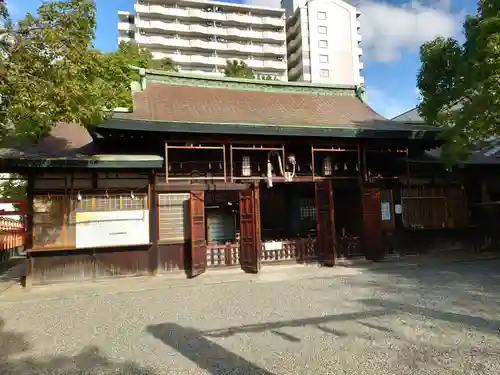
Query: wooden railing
{"x": 295, "y": 249}
{"x": 298, "y": 249}
{"x": 223, "y": 255}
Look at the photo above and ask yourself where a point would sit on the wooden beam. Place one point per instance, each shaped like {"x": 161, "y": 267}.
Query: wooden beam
{"x": 217, "y": 186}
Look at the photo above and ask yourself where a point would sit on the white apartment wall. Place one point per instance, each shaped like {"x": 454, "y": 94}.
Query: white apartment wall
{"x": 342, "y": 52}
{"x": 183, "y": 35}
{"x": 343, "y": 64}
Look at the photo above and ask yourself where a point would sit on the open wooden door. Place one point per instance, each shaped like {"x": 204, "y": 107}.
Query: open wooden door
{"x": 198, "y": 264}
{"x": 372, "y": 237}
{"x": 325, "y": 223}
{"x": 250, "y": 230}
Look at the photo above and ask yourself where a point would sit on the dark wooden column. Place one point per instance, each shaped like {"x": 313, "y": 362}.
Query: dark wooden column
{"x": 198, "y": 253}
{"x": 153, "y": 225}
{"x": 325, "y": 222}
{"x": 372, "y": 236}
{"x": 250, "y": 236}
{"x": 28, "y": 236}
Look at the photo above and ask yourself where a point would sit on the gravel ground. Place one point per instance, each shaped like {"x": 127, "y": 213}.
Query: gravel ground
{"x": 392, "y": 320}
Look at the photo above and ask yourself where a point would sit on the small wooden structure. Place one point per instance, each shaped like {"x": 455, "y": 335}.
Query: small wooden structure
{"x": 220, "y": 172}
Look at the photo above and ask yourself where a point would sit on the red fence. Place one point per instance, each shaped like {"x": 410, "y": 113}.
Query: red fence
{"x": 12, "y": 227}
{"x": 11, "y": 234}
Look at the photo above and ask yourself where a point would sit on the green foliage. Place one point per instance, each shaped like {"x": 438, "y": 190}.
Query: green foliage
{"x": 50, "y": 72}
{"x": 166, "y": 64}
{"x": 14, "y": 188}
{"x": 460, "y": 83}
{"x": 238, "y": 69}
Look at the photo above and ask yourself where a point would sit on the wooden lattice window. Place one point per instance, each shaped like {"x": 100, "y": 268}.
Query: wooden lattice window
{"x": 424, "y": 212}
{"x": 54, "y": 217}
{"x": 48, "y": 221}
{"x": 173, "y": 212}
{"x": 307, "y": 209}
{"x": 92, "y": 203}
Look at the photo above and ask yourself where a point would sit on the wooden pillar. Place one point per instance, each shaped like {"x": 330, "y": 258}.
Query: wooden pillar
{"x": 28, "y": 235}
{"x": 153, "y": 225}
{"x": 258, "y": 234}
{"x": 325, "y": 223}
{"x": 250, "y": 236}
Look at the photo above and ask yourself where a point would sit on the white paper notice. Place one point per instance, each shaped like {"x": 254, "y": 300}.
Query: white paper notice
{"x": 385, "y": 208}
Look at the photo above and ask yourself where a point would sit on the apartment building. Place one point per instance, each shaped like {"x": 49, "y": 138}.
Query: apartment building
{"x": 323, "y": 41}
{"x": 200, "y": 36}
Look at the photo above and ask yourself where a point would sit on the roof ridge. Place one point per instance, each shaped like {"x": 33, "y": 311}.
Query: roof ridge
{"x": 404, "y": 113}
{"x": 161, "y": 75}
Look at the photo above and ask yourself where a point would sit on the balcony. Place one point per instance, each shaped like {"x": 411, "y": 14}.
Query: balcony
{"x": 240, "y": 47}
{"x": 294, "y": 57}
{"x": 244, "y": 33}
{"x": 207, "y": 60}
{"x": 243, "y": 18}
{"x": 178, "y": 58}
{"x": 255, "y": 64}
{"x": 293, "y": 30}
{"x": 202, "y": 14}
{"x": 275, "y": 65}
{"x": 162, "y": 41}
{"x": 358, "y": 24}
{"x": 209, "y": 30}
{"x": 209, "y": 45}
{"x": 360, "y": 38}
{"x": 292, "y": 44}
{"x": 125, "y": 26}
{"x": 295, "y": 73}
{"x": 191, "y": 59}
{"x": 274, "y": 50}
{"x": 361, "y": 65}
{"x": 274, "y": 21}
{"x": 266, "y": 65}
{"x": 162, "y": 25}
{"x": 271, "y": 35}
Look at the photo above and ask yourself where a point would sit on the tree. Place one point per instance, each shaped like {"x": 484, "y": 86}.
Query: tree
{"x": 50, "y": 72}
{"x": 14, "y": 187}
{"x": 238, "y": 69}
{"x": 460, "y": 83}
{"x": 166, "y": 64}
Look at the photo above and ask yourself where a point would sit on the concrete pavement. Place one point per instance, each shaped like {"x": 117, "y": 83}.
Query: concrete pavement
{"x": 441, "y": 319}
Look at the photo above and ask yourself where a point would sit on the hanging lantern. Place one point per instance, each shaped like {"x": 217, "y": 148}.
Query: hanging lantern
{"x": 327, "y": 166}
{"x": 246, "y": 169}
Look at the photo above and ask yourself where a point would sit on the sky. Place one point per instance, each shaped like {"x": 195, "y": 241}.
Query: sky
{"x": 392, "y": 32}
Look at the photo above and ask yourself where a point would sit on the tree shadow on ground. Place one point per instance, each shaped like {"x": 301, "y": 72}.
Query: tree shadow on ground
{"x": 476, "y": 322}
{"x": 297, "y": 323}
{"x": 207, "y": 354}
{"x": 468, "y": 285}
{"x": 15, "y": 360}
